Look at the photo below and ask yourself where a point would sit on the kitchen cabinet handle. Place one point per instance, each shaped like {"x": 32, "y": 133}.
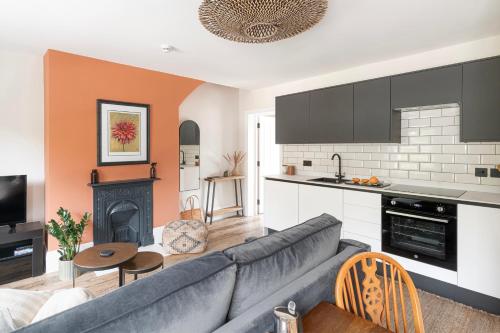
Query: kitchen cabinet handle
{"x": 433, "y": 219}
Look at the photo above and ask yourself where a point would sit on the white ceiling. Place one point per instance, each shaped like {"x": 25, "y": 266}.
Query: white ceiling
{"x": 353, "y": 32}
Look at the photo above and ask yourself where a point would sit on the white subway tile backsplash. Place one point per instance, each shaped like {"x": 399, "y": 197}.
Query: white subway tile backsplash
{"x": 431, "y": 131}
{"x": 490, "y": 159}
{"x": 389, "y": 149}
{"x": 443, "y": 121}
{"x": 420, "y": 175}
{"x": 455, "y": 149}
{"x": 436, "y": 167}
{"x": 409, "y": 149}
{"x": 420, "y": 157}
{"x": 430, "y": 150}
{"x": 481, "y": 149}
{"x": 442, "y": 158}
{"x": 467, "y": 179}
{"x": 451, "y": 130}
{"x": 410, "y": 114}
{"x": 430, "y": 113}
{"x": 398, "y": 174}
{"x": 424, "y": 122}
{"x": 468, "y": 159}
{"x": 450, "y": 112}
{"x": 420, "y": 140}
{"x": 399, "y": 157}
{"x": 434, "y": 149}
{"x": 408, "y": 166}
{"x": 442, "y": 139}
{"x": 442, "y": 177}
{"x": 371, "y": 164}
{"x": 389, "y": 165}
{"x": 455, "y": 168}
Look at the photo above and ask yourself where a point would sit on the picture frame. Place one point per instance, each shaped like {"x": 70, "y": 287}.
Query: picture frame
{"x": 123, "y": 135}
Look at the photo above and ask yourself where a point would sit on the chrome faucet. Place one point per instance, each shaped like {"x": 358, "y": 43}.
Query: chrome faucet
{"x": 339, "y": 175}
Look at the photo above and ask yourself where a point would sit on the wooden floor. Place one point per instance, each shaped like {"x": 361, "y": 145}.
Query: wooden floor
{"x": 221, "y": 235}
{"x": 440, "y": 314}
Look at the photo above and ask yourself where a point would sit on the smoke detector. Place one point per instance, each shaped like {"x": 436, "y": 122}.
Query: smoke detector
{"x": 167, "y": 48}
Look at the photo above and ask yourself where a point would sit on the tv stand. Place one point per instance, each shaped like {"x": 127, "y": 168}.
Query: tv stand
{"x": 25, "y": 235}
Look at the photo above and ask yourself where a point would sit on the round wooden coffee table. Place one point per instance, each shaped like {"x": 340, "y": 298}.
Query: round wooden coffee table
{"x": 90, "y": 260}
{"x": 143, "y": 262}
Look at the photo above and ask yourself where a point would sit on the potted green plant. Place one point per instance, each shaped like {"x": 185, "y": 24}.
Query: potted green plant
{"x": 69, "y": 234}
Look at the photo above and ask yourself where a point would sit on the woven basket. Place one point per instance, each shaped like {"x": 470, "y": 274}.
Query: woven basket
{"x": 186, "y": 235}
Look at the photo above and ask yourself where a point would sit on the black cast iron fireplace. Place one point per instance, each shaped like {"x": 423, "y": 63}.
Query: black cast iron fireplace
{"x": 123, "y": 211}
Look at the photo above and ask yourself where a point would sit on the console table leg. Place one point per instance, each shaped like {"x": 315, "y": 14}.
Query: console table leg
{"x": 212, "y": 210}
{"x": 236, "y": 194}
{"x": 208, "y": 199}
{"x": 241, "y": 197}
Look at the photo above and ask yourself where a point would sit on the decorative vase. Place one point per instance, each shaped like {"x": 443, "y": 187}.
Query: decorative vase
{"x": 235, "y": 171}
{"x": 66, "y": 270}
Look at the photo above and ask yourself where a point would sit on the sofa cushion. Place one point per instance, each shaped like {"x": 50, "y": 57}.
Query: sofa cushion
{"x": 23, "y": 305}
{"x": 6, "y": 322}
{"x": 307, "y": 291}
{"x": 192, "y": 296}
{"x": 268, "y": 263}
{"x": 62, "y": 300}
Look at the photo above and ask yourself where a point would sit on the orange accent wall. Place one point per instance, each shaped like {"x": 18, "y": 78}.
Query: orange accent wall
{"x": 72, "y": 85}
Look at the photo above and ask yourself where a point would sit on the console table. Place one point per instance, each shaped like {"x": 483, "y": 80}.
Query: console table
{"x": 237, "y": 208}
{"x": 16, "y": 267}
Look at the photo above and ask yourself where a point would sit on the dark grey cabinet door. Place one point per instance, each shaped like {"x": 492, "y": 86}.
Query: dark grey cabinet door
{"x": 480, "y": 119}
{"x": 292, "y": 117}
{"x": 429, "y": 87}
{"x": 331, "y": 115}
{"x": 374, "y": 121}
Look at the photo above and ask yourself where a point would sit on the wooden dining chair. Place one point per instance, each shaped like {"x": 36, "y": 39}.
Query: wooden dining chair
{"x": 379, "y": 295}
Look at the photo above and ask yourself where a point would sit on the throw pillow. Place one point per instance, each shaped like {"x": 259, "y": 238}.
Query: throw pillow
{"x": 63, "y": 300}
{"x": 23, "y": 305}
{"x": 6, "y": 323}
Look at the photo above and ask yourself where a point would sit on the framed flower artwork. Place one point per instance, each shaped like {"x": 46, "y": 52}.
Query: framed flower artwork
{"x": 123, "y": 133}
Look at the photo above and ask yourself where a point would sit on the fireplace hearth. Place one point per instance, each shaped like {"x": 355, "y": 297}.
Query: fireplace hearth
{"x": 123, "y": 211}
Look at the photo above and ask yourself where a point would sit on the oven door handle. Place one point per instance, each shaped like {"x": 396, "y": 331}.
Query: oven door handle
{"x": 433, "y": 219}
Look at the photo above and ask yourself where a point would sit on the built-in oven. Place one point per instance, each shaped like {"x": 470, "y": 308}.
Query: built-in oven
{"x": 422, "y": 230}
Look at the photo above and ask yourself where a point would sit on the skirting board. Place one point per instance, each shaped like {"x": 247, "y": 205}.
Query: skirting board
{"x": 52, "y": 257}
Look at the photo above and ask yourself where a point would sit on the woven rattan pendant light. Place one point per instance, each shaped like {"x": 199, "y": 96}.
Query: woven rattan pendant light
{"x": 260, "y": 21}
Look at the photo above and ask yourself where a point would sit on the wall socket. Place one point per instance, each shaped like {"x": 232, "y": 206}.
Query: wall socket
{"x": 494, "y": 173}
{"x": 481, "y": 172}
{"x": 307, "y": 163}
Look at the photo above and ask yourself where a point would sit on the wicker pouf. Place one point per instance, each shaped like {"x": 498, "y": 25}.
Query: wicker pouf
{"x": 185, "y": 236}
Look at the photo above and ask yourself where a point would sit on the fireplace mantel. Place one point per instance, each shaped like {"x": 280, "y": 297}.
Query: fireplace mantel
{"x": 124, "y": 181}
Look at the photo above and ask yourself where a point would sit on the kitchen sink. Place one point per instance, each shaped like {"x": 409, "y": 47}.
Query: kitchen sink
{"x": 327, "y": 180}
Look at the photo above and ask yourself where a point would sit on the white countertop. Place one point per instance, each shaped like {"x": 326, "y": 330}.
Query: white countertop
{"x": 472, "y": 197}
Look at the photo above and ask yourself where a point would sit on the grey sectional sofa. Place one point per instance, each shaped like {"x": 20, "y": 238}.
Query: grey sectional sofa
{"x": 230, "y": 291}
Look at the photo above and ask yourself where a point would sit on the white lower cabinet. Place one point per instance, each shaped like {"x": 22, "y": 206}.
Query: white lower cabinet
{"x": 281, "y": 209}
{"x": 363, "y": 218}
{"x": 316, "y": 200}
{"x": 478, "y": 249}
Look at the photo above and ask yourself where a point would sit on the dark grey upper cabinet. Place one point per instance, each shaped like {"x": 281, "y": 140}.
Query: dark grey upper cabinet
{"x": 292, "y": 118}
{"x": 481, "y": 101}
{"x": 374, "y": 121}
{"x": 429, "y": 87}
{"x": 331, "y": 115}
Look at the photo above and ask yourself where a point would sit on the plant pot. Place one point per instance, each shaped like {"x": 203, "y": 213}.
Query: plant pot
{"x": 66, "y": 270}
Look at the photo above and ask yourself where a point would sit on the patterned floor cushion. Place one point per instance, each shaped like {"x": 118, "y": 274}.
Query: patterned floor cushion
{"x": 185, "y": 236}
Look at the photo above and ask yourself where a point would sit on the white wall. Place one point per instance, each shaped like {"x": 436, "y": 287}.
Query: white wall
{"x": 259, "y": 99}
{"x": 215, "y": 109}
{"x": 21, "y": 124}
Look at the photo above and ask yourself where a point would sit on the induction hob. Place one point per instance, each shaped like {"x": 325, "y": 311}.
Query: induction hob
{"x": 440, "y": 192}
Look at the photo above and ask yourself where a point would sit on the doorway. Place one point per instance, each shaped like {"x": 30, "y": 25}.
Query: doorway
{"x": 265, "y": 157}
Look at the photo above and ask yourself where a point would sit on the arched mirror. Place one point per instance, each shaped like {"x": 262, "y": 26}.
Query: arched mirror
{"x": 189, "y": 156}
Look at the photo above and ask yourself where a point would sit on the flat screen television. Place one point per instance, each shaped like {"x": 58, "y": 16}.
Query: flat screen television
{"x": 12, "y": 200}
